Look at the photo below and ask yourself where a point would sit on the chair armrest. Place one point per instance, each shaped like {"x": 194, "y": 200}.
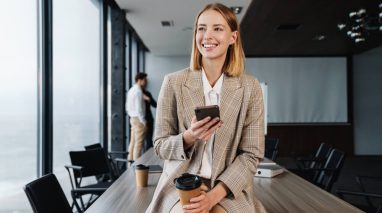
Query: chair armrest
{"x": 354, "y": 193}
{"x": 112, "y": 153}
{"x": 79, "y": 168}
{"x": 73, "y": 179}
{"x": 123, "y": 160}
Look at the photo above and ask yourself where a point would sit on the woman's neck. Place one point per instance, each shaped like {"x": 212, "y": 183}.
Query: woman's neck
{"x": 213, "y": 70}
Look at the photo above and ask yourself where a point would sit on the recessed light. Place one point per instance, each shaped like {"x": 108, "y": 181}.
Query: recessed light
{"x": 167, "y": 23}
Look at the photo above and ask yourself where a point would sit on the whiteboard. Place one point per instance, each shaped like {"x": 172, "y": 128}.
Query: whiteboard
{"x": 303, "y": 90}
{"x": 264, "y": 89}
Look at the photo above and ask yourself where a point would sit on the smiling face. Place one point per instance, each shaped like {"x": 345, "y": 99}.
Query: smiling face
{"x": 213, "y": 35}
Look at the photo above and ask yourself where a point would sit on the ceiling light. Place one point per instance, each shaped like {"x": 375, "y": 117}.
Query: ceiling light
{"x": 167, "y": 23}
{"x": 319, "y": 38}
{"x": 358, "y": 40}
{"x": 236, "y": 10}
{"x": 361, "y": 23}
{"x": 341, "y": 26}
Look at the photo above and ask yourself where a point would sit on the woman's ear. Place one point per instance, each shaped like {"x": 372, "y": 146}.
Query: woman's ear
{"x": 233, "y": 37}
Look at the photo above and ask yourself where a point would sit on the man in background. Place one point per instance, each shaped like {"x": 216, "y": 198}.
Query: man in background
{"x": 136, "y": 109}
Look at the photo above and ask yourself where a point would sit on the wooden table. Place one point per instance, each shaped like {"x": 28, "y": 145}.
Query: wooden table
{"x": 283, "y": 193}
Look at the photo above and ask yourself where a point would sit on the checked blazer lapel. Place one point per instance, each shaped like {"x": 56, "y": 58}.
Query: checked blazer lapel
{"x": 192, "y": 95}
{"x": 230, "y": 104}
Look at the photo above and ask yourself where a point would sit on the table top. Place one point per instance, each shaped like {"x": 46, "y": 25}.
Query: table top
{"x": 283, "y": 193}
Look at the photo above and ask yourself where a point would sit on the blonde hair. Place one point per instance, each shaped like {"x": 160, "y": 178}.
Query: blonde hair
{"x": 234, "y": 62}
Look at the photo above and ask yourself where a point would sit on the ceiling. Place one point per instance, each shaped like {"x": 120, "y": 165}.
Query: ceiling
{"x": 259, "y": 21}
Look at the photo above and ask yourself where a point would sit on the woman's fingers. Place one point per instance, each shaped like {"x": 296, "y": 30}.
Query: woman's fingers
{"x": 196, "y": 125}
{"x": 203, "y": 129}
{"x": 207, "y": 134}
{"x": 198, "y": 199}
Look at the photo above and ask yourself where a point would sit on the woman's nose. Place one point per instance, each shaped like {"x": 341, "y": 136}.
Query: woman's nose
{"x": 207, "y": 34}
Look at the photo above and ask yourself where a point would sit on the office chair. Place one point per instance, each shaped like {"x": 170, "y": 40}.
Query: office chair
{"x": 271, "y": 148}
{"x": 328, "y": 174}
{"x": 371, "y": 197}
{"x": 45, "y": 196}
{"x": 114, "y": 158}
{"x": 317, "y": 159}
{"x": 88, "y": 163}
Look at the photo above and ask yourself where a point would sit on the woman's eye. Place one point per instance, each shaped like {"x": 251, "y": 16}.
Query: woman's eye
{"x": 218, "y": 29}
{"x": 201, "y": 29}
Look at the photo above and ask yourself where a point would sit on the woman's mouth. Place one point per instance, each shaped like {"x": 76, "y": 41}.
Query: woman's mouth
{"x": 209, "y": 46}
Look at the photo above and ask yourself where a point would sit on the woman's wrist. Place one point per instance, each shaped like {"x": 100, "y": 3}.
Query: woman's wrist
{"x": 188, "y": 140}
{"x": 219, "y": 192}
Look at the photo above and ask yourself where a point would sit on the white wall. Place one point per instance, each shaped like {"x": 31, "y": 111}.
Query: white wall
{"x": 157, "y": 67}
{"x": 367, "y": 90}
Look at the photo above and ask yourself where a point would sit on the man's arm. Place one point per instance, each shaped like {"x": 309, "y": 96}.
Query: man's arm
{"x": 140, "y": 106}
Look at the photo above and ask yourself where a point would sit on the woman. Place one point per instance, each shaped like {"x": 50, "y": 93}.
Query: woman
{"x": 224, "y": 154}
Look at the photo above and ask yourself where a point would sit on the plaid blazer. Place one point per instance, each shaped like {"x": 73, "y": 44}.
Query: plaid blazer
{"x": 238, "y": 145}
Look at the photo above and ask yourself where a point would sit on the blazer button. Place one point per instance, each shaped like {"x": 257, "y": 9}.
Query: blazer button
{"x": 182, "y": 156}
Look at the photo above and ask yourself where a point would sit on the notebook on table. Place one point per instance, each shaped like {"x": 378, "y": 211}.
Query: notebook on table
{"x": 268, "y": 170}
{"x": 266, "y": 161}
{"x": 155, "y": 169}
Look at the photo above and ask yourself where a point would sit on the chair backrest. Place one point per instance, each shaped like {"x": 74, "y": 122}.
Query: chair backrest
{"x": 334, "y": 162}
{"x": 93, "y": 146}
{"x": 45, "y": 195}
{"x": 115, "y": 173}
{"x": 94, "y": 162}
{"x": 322, "y": 152}
{"x": 271, "y": 148}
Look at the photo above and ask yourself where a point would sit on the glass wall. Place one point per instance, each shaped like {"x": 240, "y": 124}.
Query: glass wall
{"x": 77, "y": 61}
{"x": 76, "y": 90}
{"x": 18, "y": 108}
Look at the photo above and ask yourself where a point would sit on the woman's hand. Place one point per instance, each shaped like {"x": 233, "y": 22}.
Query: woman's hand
{"x": 206, "y": 201}
{"x": 200, "y": 130}
{"x": 201, "y": 204}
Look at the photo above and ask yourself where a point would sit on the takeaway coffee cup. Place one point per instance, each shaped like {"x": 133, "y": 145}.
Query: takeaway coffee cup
{"x": 188, "y": 186}
{"x": 141, "y": 175}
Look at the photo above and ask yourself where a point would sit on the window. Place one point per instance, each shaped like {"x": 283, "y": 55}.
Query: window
{"x": 18, "y": 108}
{"x": 76, "y": 80}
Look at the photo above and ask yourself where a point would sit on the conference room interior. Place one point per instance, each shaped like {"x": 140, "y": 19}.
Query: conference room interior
{"x": 66, "y": 67}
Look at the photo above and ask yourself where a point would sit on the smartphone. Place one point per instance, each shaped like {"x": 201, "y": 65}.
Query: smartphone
{"x": 205, "y": 111}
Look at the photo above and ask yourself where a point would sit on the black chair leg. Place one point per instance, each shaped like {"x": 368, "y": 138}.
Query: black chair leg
{"x": 75, "y": 204}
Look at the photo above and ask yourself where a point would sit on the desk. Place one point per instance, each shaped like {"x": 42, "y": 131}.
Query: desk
{"x": 283, "y": 193}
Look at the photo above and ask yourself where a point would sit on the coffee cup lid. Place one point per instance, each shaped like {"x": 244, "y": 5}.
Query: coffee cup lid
{"x": 188, "y": 182}
{"x": 141, "y": 167}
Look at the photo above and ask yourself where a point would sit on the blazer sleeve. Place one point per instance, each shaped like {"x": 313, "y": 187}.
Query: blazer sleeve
{"x": 168, "y": 141}
{"x": 251, "y": 146}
